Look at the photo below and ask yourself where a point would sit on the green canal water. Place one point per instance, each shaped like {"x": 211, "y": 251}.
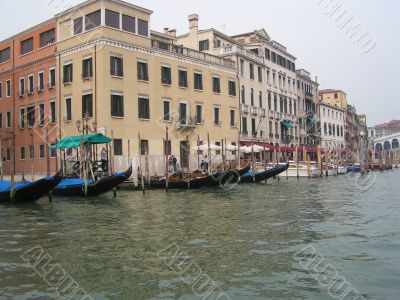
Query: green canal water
{"x": 252, "y": 242}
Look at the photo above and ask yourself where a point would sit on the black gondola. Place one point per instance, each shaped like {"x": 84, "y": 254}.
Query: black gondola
{"x": 251, "y": 177}
{"x": 75, "y": 187}
{"x": 218, "y": 178}
{"x": 28, "y": 191}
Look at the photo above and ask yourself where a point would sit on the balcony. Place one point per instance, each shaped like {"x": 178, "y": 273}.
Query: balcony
{"x": 278, "y": 115}
{"x": 262, "y": 112}
{"x": 196, "y": 55}
{"x": 244, "y": 135}
{"x": 254, "y": 111}
{"x": 245, "y": 108}
{"x": 183, "y": 124}
{"x": 233, "y": 49}
{"x": 271, "y": 114}
{"x": 277, "y": 136}
{"x": 271, "y": 135}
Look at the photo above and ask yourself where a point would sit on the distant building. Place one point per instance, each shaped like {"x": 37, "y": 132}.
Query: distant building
{"x": 333, "y": 124}
{"x": 333, "y": 97}
{"x": 387, "y": 128}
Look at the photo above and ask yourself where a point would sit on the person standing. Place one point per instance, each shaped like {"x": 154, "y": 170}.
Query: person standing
{"x": 104, "y": 161}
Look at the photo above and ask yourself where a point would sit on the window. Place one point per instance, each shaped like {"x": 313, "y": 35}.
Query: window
{"x": 40, "y": 81}
{"x": 41, "y": 151}
{"x": 22, "y": 118}
{"x": 22, "y": 87}
{"x": 199, "y": 114}
{"x": 8, "y": 120}
{"x": 128, "y": 24}
{"x": 30, "y": 84}
{"x": 252, "y": 97}
{"x": 183, "y": 113}
{"x": 4, "y": 55}
{"x": 273, "y": 56}
{"x": 251, "y": 66}
{"x": 232, "y": 119}
{"x": 253, "y": 127}
{"x": 93, "y": 20}
{"x": 338, "y": 130}
{"x": 167, "y": 110}
{"x": 260, "y": 99}
{"x": 1, "y": 90}
{"x": 87, "y": 68}
{"x": 260, "y": 79}
{"x": 232, "y": 88}
{"x": 144, "y": 108}
{"x": 68, "y": 109}
{"x": 166, "y": 75}
{"x": 53, "y": 151}
{"x": 244, "y": 125}
{"x": 8, "y": 154}
{"x": 144, "y": 147}
{"x": 1, "y": 120}
{"x": 243, "y": 92}
{"x": 183, "y": 78}
{"x": 216, "y": 85}
{"x": 217, "y": 43}
{"x": 117, "y": 147}
{"x": 268, "y": 79}
{"x": 52, "y": 112}
{"x": 41, "y": 114}
{"x": 336, "y": 95}
{"x": 22, "y": 153}
{"x": 267, "y": 54}
{"x": 242, "y": 67}
{"x": 31, "y": 151}
{"x": 52, "y": 78}
{"x": 78, "y": 25}
{"x": 198, "y": 81}
{"x": 68, "y": 69}
{"x": 167, "y": 147}
{"x": 112, "y": 19}
{"x": 27, "y": 46}
{"x": 87, "y": 106}
{"x": 47, "y": 38}
{"x": 143, "y": 27}
{"x": 117, "y": 105}
{"x": 142, "y": 70}
{"x": 116, "y": 66}
{"x": 217, "y": 120}
{"x": 204, "y": 45}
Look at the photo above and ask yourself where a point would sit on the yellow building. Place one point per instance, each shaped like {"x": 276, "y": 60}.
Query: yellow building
{"x": 128, "y": 79}
{"x": 335, "y": 98}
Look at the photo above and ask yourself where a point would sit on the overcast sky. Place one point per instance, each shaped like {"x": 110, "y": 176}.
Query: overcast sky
{"x": 303, "y": 26}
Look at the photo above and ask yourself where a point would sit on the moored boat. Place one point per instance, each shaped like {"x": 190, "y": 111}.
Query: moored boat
{"x": 252, "y": 177}
{"x": 27, "y": 191}
{"x": 75, "y": 187}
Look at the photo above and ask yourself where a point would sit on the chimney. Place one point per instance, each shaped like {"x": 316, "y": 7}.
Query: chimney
{"x": 193, "y": 23}
{"x": 172, "y": 33}
{"x": 166, "y": 30}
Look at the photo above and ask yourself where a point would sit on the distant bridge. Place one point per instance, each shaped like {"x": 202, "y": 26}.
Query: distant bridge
{"x": 388, "y": 142}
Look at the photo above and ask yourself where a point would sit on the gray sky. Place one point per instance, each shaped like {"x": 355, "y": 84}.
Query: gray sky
{"x": 301, "y": 25}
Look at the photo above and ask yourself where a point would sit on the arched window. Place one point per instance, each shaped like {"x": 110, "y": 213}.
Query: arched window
{"x": 252, "y": 97}
{"x": 378, "y": 147}
{"x": 294, "y": 108}
{"x": 281, "y": 104}
{"x": 290, "y": 106}
{"x": 286, "y": 106}
{"x": 243, "y": 95}
{"x": 395, "y": 144}
{"x": 275, "y": 103}
{"x": 386, "y": 145}
{"x": 260, "y": 99}
{"x": 325, "y": 129}
{"x": 269, "y": 101}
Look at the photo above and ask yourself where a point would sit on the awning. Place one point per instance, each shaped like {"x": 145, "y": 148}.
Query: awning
{"x": 287, "y": 124}
{"x": 312, "y": 120}
{"x": 75, "y": 141}
{"x": 261, "y": 144}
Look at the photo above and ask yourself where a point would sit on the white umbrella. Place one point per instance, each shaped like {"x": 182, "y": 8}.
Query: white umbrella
{"x": 204, "y": 147}
{"x": 231, "y": 148}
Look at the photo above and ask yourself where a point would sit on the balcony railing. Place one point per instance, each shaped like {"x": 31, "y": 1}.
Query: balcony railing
{"x": 245, "y": 108}
{"x": 262, "y": 112}
{"x": 188, "y": 123}
{"x": 235, "y": 49}
{"x": 254, "y": 111}
{"x": 196, "y": 54}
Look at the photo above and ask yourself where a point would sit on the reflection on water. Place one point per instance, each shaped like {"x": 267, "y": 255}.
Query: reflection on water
{"x": 242, "y": 239}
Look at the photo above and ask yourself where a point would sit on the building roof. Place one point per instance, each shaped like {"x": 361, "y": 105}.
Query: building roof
{"x": 329, "y": 91}
{"x": 331, "y": 106}
{"x": 88, "y": 2}
{"x": 388, "y": 124}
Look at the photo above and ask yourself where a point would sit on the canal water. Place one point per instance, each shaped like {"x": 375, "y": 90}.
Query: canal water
{"x": 280, "y": 240}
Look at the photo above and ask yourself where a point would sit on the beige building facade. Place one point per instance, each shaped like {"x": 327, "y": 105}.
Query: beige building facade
{"x": 333, "y": 97}
{"x": 129, "y": 80}
{"x": 333, "y": 124}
